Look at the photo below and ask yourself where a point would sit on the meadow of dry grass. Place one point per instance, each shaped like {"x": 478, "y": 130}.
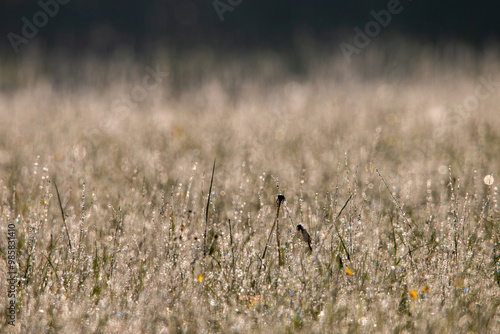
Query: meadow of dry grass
{"x": 416, "y": 248}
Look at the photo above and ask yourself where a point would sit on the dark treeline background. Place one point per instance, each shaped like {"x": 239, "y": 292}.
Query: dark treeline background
{"x": 102, "y": 25}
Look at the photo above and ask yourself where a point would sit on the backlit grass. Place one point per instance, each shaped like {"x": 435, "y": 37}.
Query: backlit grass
{"x": 415, "y": 249}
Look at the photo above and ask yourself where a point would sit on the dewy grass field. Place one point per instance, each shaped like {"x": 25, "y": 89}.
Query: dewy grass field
{"x": 414, "y": 144}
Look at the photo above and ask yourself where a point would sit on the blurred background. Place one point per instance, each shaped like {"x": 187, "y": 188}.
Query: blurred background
{"x": 239, "y": 24}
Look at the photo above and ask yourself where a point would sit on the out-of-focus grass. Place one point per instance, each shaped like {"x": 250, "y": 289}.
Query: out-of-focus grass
{"x": 134, "y": 188}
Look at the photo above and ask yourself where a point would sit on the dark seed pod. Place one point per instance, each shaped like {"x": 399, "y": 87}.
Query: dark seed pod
{"x": 280, "y": 199}
{"x": 304, "y": 235}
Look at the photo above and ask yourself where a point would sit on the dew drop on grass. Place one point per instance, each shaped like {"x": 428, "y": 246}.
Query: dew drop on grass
{"x": 443, "y": 170}
{"x": 488, "y": 180}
